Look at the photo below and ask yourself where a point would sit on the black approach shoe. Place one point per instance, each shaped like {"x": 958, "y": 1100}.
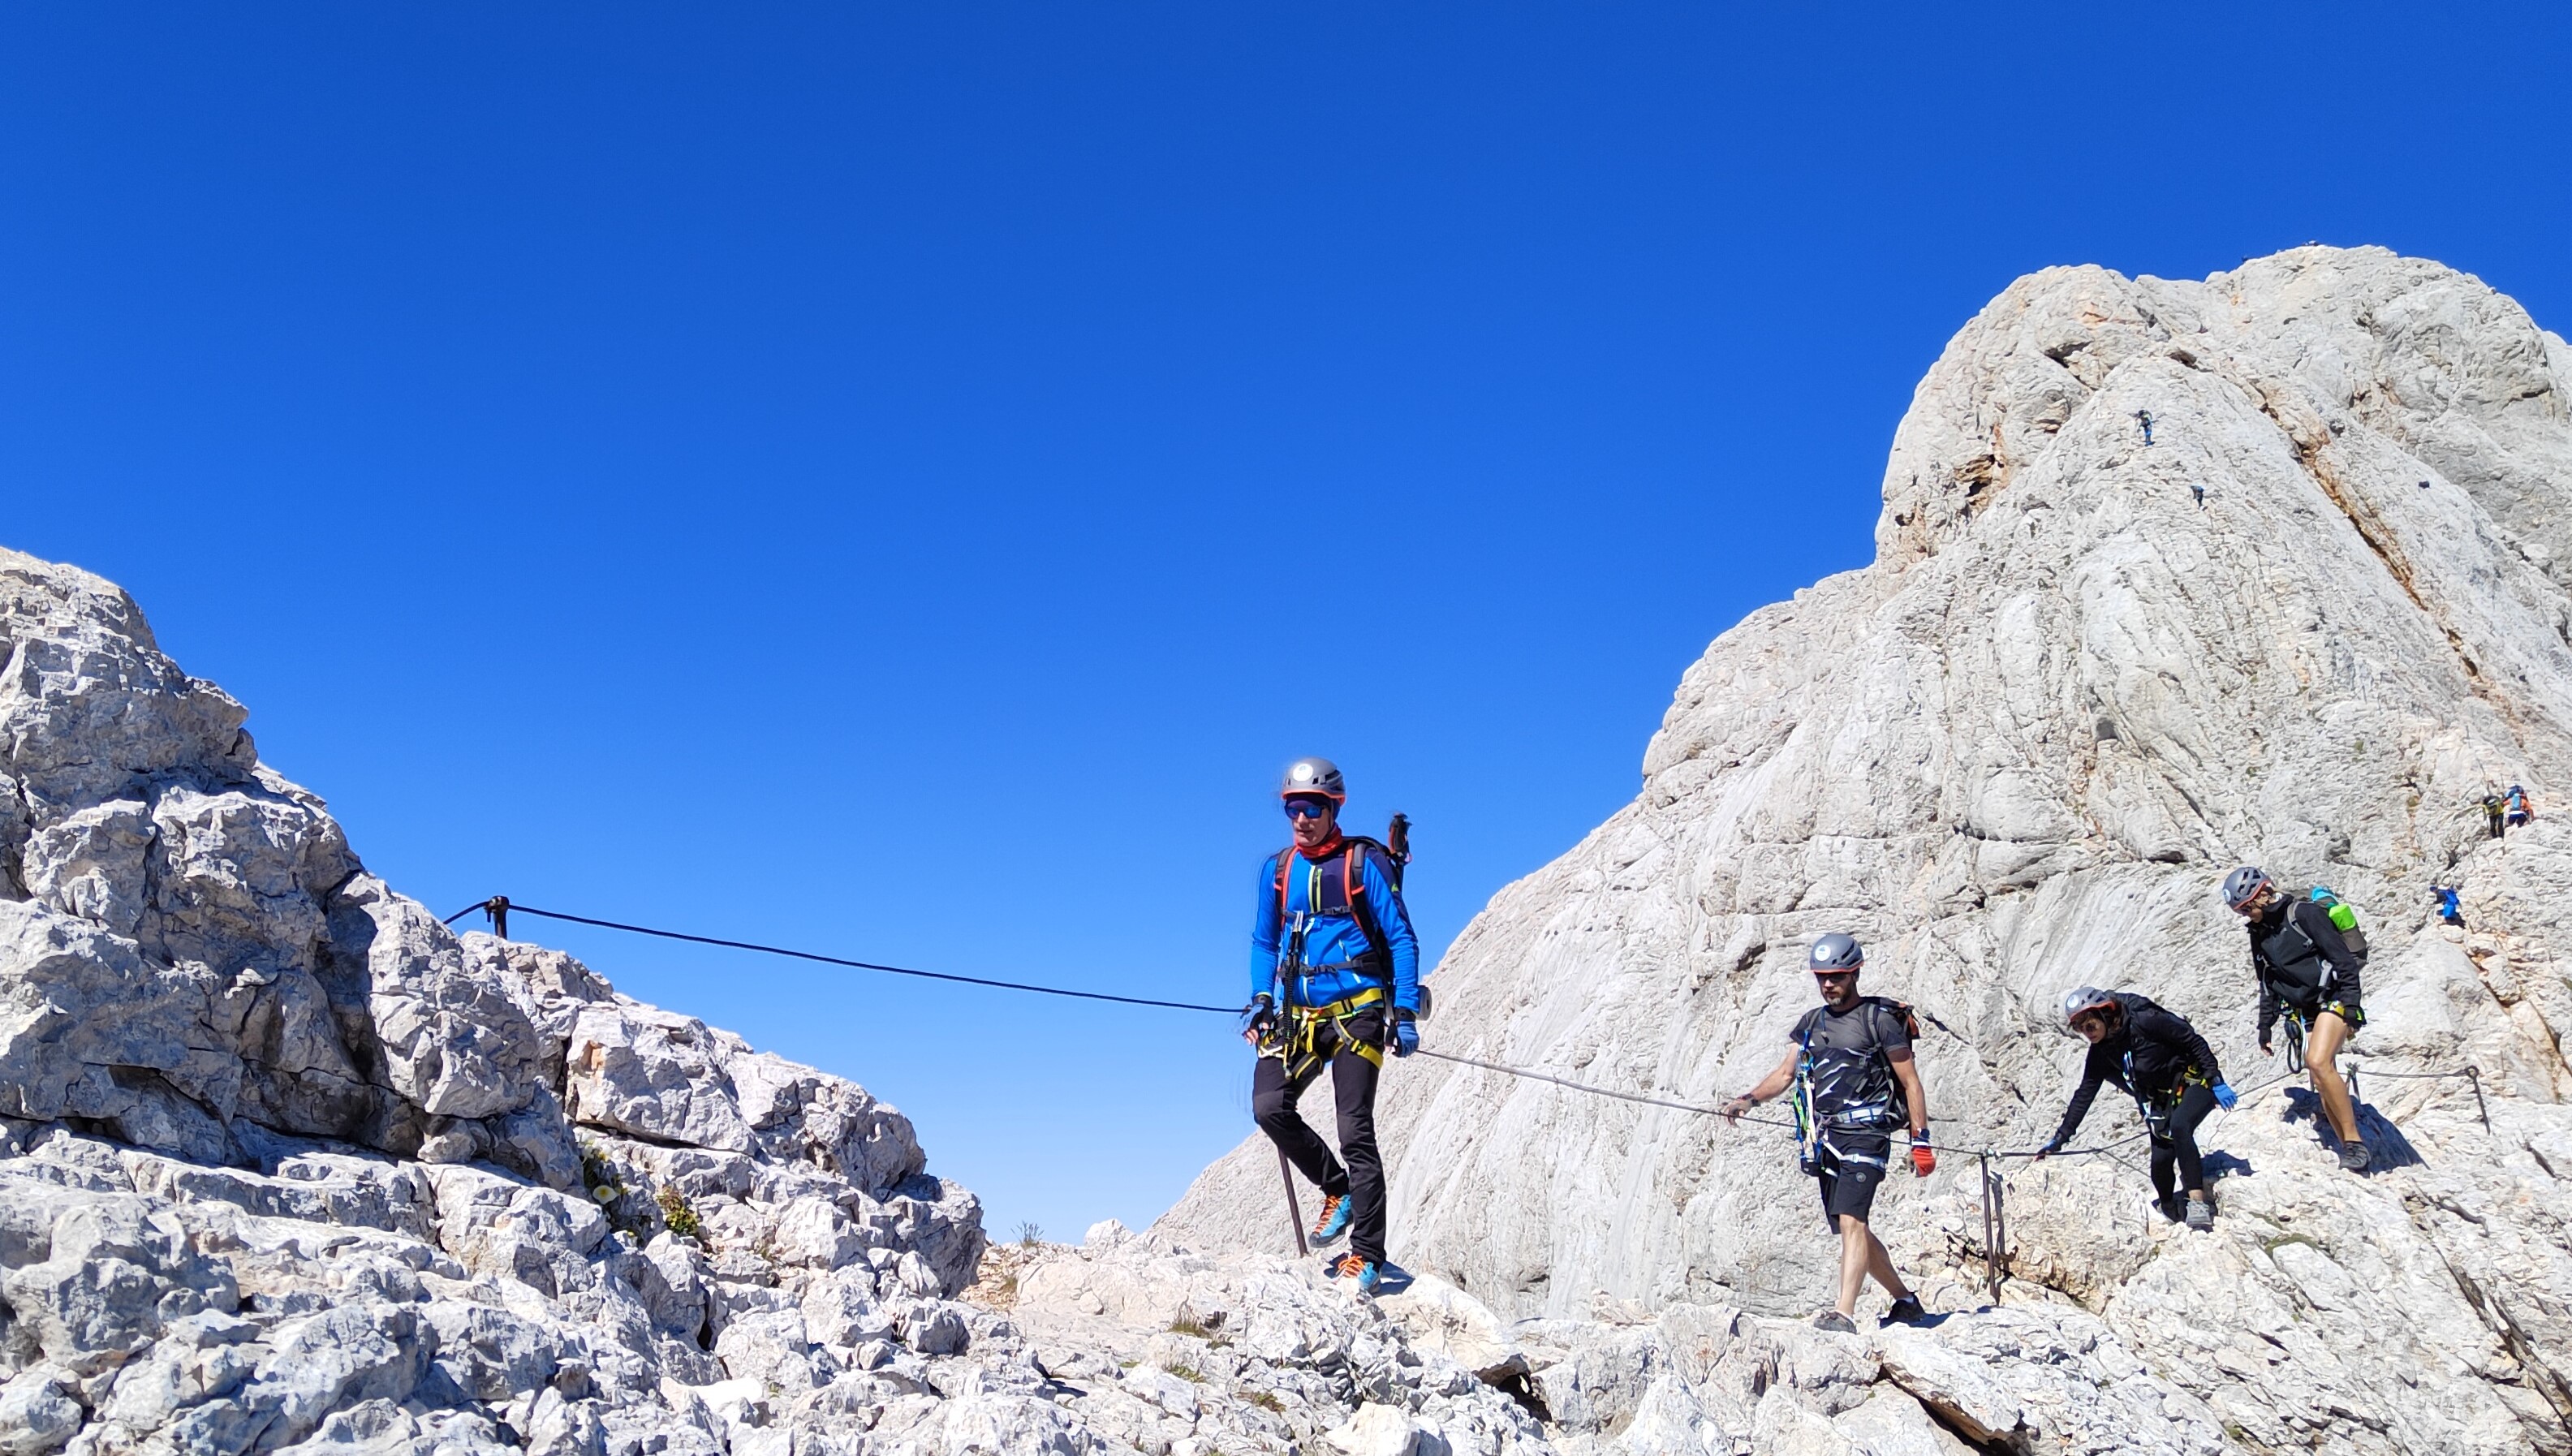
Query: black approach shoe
{"x": 1905, "y": 1310}
{"x": 2170, "y": 1209}
{"x": 2352, "y": 1156}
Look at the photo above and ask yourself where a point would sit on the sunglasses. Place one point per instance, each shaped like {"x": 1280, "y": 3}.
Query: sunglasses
{"x": 1306, "y": 808}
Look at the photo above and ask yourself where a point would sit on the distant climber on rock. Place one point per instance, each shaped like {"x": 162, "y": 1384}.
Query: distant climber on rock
{"x": 2200, "y": 492}
{"x": 1334, "y": 982}
{"x": 2307, "y": 965}
{"x": 2515, "y": 806}
{"x": 1851, "y": 1053}
{"x": 2156, "y": 1057}
{"x": 2494, "y": 808}
{"x": 2144, "y": 418}
{"x": 2449, "y": 910}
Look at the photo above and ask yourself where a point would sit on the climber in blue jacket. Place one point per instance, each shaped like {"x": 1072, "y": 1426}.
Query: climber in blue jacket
{"x": 1334, "y": 982}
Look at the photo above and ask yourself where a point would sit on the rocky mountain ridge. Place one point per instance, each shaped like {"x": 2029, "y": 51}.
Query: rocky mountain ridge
{"x": 287, "y": 1165}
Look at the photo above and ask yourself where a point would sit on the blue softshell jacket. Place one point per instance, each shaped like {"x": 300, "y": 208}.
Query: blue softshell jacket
{"x": 1332, "y": 940}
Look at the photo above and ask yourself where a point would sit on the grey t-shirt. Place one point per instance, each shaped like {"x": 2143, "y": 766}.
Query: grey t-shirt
{"x": 1846, "y": 1065}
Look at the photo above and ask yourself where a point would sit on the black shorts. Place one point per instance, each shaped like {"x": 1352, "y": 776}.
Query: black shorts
{"x": 1852, "y": 1165}
{"x": 2346, "y": 1010}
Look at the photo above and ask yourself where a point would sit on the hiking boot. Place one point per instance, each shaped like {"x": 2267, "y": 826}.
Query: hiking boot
{"x": 1335, "y": 1218}
{"x": 1905, "y": 1310}
{"x": 2200, "y": 1215}
{"x": 1835, "y": 1323}
{"x": 2352, "y": 1156}
{"x": 1361, "y": 1268}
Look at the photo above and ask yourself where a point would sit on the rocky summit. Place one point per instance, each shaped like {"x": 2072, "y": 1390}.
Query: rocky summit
{"x": 2307, "y": 617}
{"x": 288, "y": 1165}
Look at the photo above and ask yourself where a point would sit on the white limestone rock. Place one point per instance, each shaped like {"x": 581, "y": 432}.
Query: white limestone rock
{"x": 287, "y": 1165}
{"x": 2016, "y": 754}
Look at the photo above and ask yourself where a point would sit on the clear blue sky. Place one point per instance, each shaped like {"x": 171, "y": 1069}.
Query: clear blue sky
{"x": 901, "y": 480}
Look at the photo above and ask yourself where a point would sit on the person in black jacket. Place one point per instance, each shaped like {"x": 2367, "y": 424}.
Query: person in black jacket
{"x": 2157, "y": 1057}
{"x": 2307, "y": 971}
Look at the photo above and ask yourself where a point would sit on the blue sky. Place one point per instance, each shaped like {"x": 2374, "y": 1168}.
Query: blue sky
{"x": 900, "y": 481}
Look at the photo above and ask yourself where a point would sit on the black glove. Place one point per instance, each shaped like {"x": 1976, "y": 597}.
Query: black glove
{"x": 1261, "y": 1015}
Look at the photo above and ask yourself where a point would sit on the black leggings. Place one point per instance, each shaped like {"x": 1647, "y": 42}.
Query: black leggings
{"x": 2175, "y": 1142}
{"x": 1353, "y": 1079}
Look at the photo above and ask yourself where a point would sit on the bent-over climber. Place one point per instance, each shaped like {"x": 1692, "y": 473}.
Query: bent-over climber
{"x": 2449, "y": 910}
{"x": 2308, "y": 972}
{"x": 1334, "y": 982}
{"x": 2516, "y": 807}
{"x": 2494, "y": 808}
{"x": 2156, "y": 1057}
{"x": 1851, "y": 1053}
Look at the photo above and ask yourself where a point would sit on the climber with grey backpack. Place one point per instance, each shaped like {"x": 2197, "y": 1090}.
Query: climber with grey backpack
{"x": 1854, "y": 1081}
{"x": 2307, "y": 954}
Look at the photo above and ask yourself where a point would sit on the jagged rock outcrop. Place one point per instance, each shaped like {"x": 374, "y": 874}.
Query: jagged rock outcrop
{"x": 284, "y": 1164}
{"x": 2015, "y": 754}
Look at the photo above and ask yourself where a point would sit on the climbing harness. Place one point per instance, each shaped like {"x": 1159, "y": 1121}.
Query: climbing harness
{"x": 2159, "y": 1107}
{"x": 1297, "y": 1041}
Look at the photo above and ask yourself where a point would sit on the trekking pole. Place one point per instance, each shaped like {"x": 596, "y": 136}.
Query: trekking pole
{"x": 1294, "y": 1214}
{"x": 1999, "y": 1232}
{"x": 1991, "y": 1244}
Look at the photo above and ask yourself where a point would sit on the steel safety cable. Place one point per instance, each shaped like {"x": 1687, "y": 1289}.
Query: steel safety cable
{"x": 504, "y": 905}
{"x": 514, "y": 908}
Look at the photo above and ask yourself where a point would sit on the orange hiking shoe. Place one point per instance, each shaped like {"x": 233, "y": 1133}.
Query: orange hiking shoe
{"x": 1359, "y": 1268}
{"x": 1335, "y": 1218}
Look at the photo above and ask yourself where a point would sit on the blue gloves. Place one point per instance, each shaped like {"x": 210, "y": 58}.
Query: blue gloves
{"x": 2224, "y": 1096}
{"x": 1406, "y": 1035}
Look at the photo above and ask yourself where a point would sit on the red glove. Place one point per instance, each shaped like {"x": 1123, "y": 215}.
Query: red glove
{"x": 1923, "y": 1161}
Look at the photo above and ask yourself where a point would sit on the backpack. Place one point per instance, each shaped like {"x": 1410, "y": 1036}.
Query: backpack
{"x": 1808, "y": 1119}
{"x": 1391, "y": 859}
{"x": 2343, "y": 918}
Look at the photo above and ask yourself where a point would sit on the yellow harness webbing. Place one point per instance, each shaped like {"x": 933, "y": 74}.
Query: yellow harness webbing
{"x": 1298, "y": 1042}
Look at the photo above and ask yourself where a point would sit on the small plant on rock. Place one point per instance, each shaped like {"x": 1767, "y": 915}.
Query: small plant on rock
{"x": 1029, "y": 1236}
{"x": 607, "y": 1186}
{"x": 675, "y": 1212}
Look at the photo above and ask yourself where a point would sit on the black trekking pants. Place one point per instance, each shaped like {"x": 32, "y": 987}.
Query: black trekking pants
{"x": 2175, "y": 1143}
{"x": 1272, "y": 1101}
